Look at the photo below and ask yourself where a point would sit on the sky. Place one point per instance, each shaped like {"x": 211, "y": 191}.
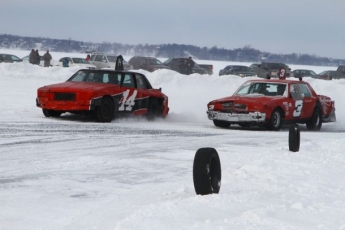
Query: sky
{"x": 71, "y": 173}
{"x": 294, "y": 26}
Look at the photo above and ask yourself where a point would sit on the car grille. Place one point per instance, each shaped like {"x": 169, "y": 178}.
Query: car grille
{"x": 64, "y": 96}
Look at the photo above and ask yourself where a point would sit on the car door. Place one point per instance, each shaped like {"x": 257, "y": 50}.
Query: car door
{"x": 308, "y": 100}
{"x": 302, "y": 101}
{"x": 129, "y": 102}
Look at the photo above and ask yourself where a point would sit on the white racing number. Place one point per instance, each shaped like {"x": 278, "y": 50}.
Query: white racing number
{"x": 282, "y": 73}
{"x": 298, "y": 108}
{"x": 127, "y": 103}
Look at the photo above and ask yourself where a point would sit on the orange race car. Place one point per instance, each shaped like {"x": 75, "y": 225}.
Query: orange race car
{"x": 104, "y": 93}
{"x": 271, "y": 103}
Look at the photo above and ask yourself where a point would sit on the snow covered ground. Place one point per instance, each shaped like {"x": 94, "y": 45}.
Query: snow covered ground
{"x": 68, "y": 173}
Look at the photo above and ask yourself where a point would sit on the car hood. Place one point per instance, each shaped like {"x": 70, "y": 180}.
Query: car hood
{"x": 250, "y": 99}
{"x": 76, "y": 86}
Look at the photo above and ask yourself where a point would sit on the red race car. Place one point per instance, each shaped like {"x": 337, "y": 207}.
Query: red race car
{"x": 104, "y": 93}
{"x": 270, "y": 103}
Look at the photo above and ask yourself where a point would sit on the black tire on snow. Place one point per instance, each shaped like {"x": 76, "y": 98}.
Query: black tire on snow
{"x": 294, "y": 138}
{"x": 276, "y": 120}
{"x": 315, "y": 121}
{"x": 207, "y": 172}
{"x": 221, "y": 124}
{"x": 51, "y": 113}
{"x": 153, "y": 110}
{"x": 106, "y": 111}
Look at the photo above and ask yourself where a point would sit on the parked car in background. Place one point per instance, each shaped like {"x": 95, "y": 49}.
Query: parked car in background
{"x": 147, "y": 63}
{"x": 271, "y": 103}
{"x": 9, "y": 58}
{"x": 270, "y": 69}
{"x": 179, "y": 65}
{"x": 337, "y": 74}
{"x": 239, "y": 70}
{"x": 103, "y": 60}
{"x": 300, "y": 73}
{"x": 207, "y": 67}
{"x": 325, "y": 75}
{"x": 76, "y": 61}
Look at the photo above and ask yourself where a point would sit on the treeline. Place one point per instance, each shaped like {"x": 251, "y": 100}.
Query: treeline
{"x": 245, "y": 54}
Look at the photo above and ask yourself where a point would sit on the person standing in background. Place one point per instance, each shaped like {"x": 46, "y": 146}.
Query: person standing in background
{"x": 190, "y": 65}
{"x": 32, "y": 57}
{"x": 38, "y": 58}
{"x": 88, "y": 57}
{"x": 47, "y": 58}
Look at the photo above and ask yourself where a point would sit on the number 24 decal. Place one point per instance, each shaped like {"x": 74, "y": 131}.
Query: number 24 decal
{"x": 127, "y": 103}
{"x": 298, "y": 108}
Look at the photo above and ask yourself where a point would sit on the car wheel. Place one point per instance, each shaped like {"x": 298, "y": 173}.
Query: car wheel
{"x": 51, "y": 113}
{"x": 106, "y": 111}
{"x": 207, "y": 172}
{"x": 276, "y": 120}
{"x": 294, "y": 138}
{"x": 153, "y": 110}
{"x": 221, "y": 124}
{"x": 315, "y": 122}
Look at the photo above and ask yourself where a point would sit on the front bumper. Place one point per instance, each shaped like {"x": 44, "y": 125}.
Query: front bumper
{"x": 255, "y": 117}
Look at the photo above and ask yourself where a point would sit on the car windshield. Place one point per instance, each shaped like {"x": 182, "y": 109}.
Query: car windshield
{"x": 96, "y": 76}
{"x": 262, "y": 88}
{"x": 80, "y": 61}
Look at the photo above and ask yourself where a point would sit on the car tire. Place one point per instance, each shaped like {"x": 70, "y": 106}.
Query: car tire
{"x": 106, "y": 111}
{"x": 294, "y": 138}
{"x": 315, "y": 122}
{"x": 276, "y": 120}
{"x": 153, "y": 109}
{"x": 207, "y": 172}
{"x": 221, "y": 124}
{"x": 51, "y": 113}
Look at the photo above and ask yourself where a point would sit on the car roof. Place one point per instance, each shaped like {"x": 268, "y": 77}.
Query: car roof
{"x": 277, "y": 81}
{"x": 110, "y": 70}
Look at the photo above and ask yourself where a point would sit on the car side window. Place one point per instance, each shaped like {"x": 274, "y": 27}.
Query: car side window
{"x": 92, "y": 58}
{"x": 128, "y": 80}
{"x": 98, "y": 58}
{"x": 104, "y": 59}
{"x": 141, "y": 83}
{"x": 294, "y": 92}
{"x": 305, "y": 92}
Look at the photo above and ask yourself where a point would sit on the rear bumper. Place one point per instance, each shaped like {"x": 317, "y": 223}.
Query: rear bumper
{"x": 255, "y": 117}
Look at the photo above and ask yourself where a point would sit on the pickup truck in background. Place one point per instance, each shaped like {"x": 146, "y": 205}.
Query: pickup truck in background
{"x": 337, "y": 74}
{"x": 270, "y": 69}
{"x": 208, "y": 68}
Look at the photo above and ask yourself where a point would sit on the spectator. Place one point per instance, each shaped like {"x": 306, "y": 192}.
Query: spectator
{"x": 182, "y": 67}
{"x": 65, "y": 62}
{"x": 88, "y": 57}
{"x": 47, "y": 58}
{"x": 38, "y": 58}
{"x": 32, "y": 57}
{"x": 190, "y": 65}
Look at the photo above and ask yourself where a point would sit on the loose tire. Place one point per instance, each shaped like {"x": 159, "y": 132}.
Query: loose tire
{"x": 106, "y": 111}
{"x": 294, "y": 138}
{"x": 315, "y": 121}
{"x": 221, "y": 124}
{"x": 206, "y": 171}
{"x": 276, "y": 120}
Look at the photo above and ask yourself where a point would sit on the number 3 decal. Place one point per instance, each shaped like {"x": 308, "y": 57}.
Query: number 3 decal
{"x": 127, "y": 103}
{"x": 298, "y": 108}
